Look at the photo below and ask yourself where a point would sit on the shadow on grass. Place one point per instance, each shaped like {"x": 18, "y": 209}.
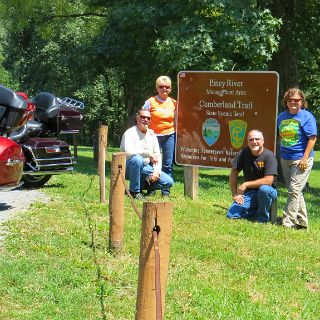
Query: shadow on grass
{"x": 87, "y": 165}
{"x": 5, "y": 206}
{"x": 208, "y": 180}
{"x": 53, "y": 185}
{"x": 212, "y": 181}
{"x": 316, "y": 166}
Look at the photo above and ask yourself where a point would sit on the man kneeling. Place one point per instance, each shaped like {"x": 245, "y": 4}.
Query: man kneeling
{"x": 143, "y": 165}
{"x": 253, "y": 198}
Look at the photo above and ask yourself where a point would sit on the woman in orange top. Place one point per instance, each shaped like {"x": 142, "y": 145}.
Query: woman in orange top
{"x": 162, "y": 109}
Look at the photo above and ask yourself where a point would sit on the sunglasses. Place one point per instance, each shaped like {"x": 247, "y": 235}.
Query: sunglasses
{"x": 164, "y": 87}
{"x": 255, "y": 139}
{"x": 294, "y": 100}
{"x": 145, "y": 117}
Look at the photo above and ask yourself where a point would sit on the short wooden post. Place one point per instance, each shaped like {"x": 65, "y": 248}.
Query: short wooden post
{"x": 75, "y": 145}
{"x": 96, "y": 144}
{"x": 154, "y": 214}
{"x": 116, "y": 201}
{"x": 103, "y": 138}
{"x": 273, "y": 211}
{"x": 191, "y": 181}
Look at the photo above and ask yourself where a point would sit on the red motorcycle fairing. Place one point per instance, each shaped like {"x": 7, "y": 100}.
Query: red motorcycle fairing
{"x": 11, "y": 162}
{"x": 30, "y": 108}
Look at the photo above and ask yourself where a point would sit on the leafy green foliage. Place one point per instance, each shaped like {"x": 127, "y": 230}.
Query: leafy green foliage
{"x": 299, "y": 46}
{"x": 219, "y": 39}
{"x": 143, "y": 41}
{"x": 103, "y": 104}
{"x": 109, "y": 53}
{"x": 5, "y": 78}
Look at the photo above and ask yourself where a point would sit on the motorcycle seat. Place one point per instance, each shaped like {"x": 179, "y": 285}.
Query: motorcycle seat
{"x": 47, "y": 106}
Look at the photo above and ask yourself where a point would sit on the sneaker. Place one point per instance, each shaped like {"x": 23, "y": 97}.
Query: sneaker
{"x": 137, "y": 195}
{"x": 279, "y": 221}
{"x": 289, "y": 227}
{"x": 300, "y": 227}
{"x": 151, "y": 193}
{"x": 165, "y": 194}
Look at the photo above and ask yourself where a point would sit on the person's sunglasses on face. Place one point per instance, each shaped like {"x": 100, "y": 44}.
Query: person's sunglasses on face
{"x": 145, "y": 118}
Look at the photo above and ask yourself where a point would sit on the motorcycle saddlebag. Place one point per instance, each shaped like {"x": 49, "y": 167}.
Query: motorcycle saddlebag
{"x": 66, "y": 121}
{"x": 47, "y": 154}
{"x": 12, "y": 109}
{"x": 11, "y": 162}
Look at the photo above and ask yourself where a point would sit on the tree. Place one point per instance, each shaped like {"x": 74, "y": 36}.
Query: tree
{"x": 162, "y": 37}
{"x": 297, "y": 60}
{"x": 110, "y": 52}
{"x": 5, "y": 77}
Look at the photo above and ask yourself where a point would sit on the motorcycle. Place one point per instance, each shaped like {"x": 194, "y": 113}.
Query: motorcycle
{"x": 13, "y": 113}
{"x": 46, "y": 155}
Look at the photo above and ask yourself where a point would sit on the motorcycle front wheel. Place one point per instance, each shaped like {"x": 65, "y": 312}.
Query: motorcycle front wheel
{"x": 33, "y": 182}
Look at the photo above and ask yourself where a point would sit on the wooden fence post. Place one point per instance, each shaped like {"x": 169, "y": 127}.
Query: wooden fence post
{"x": 191, "y": 181}
{"x": 96, "y": 144}
{"x": 103, "y": 140}
{"x": 116, "y": 201}
{"x": 154, "y": 214}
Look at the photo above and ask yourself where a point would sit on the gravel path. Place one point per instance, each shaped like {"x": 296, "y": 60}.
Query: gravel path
{"x": 15, "y": 201}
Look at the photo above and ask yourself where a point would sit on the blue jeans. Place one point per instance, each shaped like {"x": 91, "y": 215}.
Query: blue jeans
{"x": 137, "y": 172}
{"x": 257, "y": 204}
{"x": 166, "y": 144}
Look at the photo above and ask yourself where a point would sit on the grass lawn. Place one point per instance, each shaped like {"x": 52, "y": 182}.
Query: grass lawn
{"x": 55, "y": 263}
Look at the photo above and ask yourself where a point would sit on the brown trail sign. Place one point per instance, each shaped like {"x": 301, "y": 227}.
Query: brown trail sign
{"x": 216, "y": 110}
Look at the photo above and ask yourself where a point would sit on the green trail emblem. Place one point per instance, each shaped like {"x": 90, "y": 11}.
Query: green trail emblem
{"x": 237, "y": 130}
{"x": 210, "y": 131}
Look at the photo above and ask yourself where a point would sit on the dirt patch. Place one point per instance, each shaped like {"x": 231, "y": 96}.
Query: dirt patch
{"x": 15, "y": 201}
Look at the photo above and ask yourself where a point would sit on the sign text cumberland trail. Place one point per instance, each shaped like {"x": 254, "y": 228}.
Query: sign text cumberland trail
{"x": 216, "y": 110}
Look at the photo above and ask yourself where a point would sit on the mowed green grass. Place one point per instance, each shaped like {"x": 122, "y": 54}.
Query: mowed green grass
{"x": 55, "y": 262}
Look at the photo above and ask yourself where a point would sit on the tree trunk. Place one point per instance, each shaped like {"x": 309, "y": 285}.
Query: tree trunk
{"x": 284, "y": 61}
